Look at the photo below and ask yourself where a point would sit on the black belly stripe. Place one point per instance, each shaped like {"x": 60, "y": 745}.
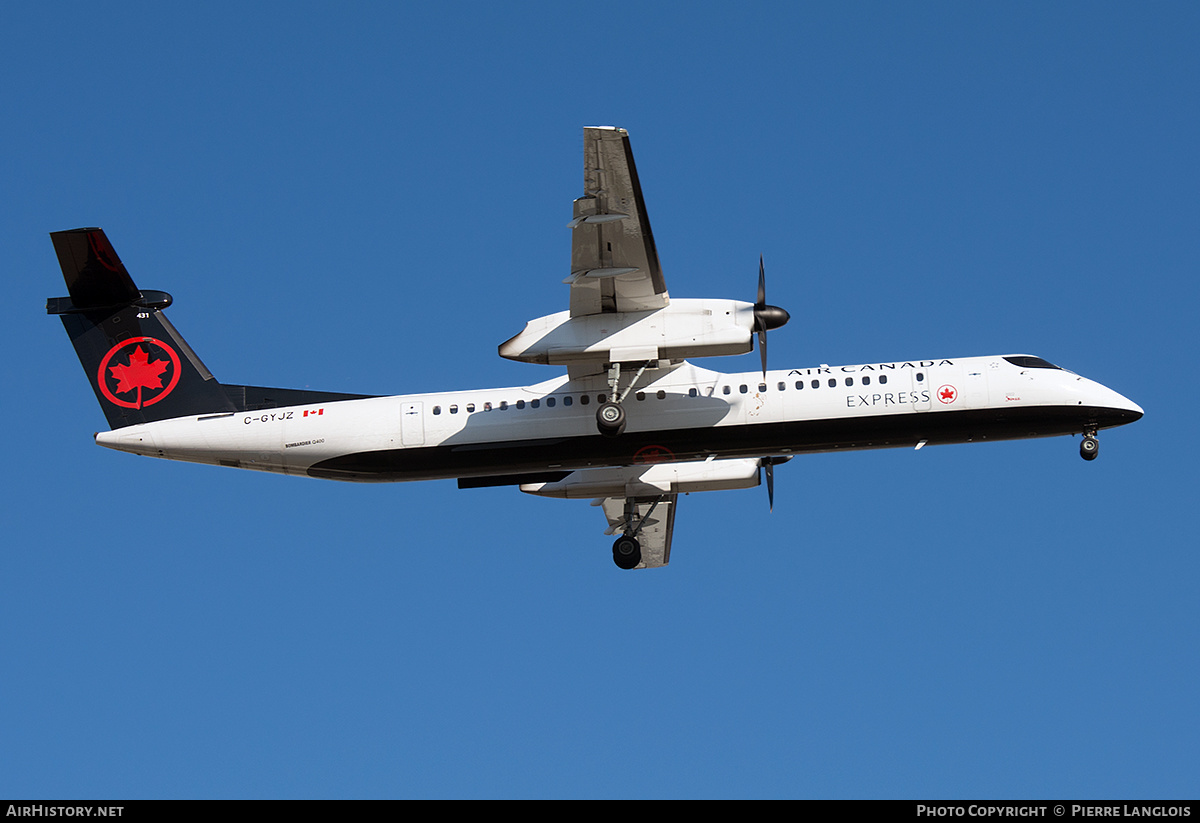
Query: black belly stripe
{"x": 590, "y": 449}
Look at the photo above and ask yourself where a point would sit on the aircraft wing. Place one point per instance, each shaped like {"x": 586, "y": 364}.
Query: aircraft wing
{"x": 614, "y": 265}
{"x": 657, "y": 518}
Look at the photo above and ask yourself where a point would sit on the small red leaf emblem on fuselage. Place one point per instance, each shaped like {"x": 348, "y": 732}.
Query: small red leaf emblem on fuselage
{"x": 653, "y": 454}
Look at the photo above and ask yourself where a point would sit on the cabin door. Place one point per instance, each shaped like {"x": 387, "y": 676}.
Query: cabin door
{"x": 412, "y": 425}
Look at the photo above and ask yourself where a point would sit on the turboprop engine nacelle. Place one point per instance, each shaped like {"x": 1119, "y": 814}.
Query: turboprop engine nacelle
{"x": 660, "y": 478}
{"x": 683, "y": 329}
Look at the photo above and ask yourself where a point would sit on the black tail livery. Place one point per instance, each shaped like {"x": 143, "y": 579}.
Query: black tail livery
{"x": 140, "y": 367}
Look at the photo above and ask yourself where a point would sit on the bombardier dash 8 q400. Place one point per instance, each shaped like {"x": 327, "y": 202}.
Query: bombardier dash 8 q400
{"x": 631, "y": 425}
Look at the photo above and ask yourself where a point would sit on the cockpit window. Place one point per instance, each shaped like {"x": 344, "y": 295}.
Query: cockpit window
{"x": 1026, "y": 361}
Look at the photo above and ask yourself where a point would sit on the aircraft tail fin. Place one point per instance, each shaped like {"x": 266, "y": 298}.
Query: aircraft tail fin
{"x": 140, "y": 367}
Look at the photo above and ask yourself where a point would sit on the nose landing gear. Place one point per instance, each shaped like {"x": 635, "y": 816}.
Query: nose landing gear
{"x": 1090, "y": 446}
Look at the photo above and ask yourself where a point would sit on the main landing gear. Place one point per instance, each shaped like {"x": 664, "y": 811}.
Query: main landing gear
{"x": 627, "y": 551}
{"x": 1090, "y": 446}
{"x": 610, "y": 417}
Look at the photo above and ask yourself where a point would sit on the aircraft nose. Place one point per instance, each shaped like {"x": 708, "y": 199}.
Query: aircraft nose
{"x": 1118, "y": 407}
{"x": 1131, "y": 407}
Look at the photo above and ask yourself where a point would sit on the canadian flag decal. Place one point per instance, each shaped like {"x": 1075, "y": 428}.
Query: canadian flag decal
{"x": 313, "y": 412}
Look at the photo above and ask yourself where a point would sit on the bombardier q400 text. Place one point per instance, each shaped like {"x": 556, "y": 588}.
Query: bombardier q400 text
{"x": 631, "y": 425}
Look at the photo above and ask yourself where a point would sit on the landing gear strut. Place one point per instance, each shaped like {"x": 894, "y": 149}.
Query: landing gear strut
{"x": 610, "y": 417}
{"x": 1089, "y": 447}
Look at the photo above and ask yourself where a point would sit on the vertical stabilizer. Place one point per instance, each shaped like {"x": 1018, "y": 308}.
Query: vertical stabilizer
{"x": 139, "y": 366}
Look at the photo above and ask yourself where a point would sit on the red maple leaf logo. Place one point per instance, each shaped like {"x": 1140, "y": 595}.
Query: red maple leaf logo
{"x": 947, "y": 394}
{"x": 653, "y": 454}
{"x": 140, "y": 373}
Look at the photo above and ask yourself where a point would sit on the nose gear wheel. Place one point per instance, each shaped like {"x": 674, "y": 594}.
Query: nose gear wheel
{"x": 1089, "y": 447}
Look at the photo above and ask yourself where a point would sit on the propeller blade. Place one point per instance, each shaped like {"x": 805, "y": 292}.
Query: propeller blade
{"x": 762, "y": 285}
{"x": 765, "y": 317}
{"x": 768, "y": 464}
{"x": 762, "y": 349}
{"x": 770, "y": 484}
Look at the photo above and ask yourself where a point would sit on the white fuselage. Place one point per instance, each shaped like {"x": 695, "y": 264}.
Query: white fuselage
{"x": 683, "y": 414}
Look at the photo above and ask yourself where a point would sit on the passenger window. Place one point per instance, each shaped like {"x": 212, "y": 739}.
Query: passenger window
{"x": 533, "y": 404}
{"x": 641, "y": 395}
{"x": 520, "y": 404}
{"x": 799, "y": 384}
{"x": 920, "y": 377}
{"x": 849, "y": 381}
{"x": 882, "y": 379}
{"x": 816, "y": 384}
{"x": 549, "y": 402}
{"x": 692, "y": 392}
{"x": 661, "y": 395}
{"x": 782, "y": 386}
{"x": 470, "y": 408}
{"x": 487, "y": 406}
{"x": 583, "y": 399}
{"x": 503, "y": 405}
{"x": 763, "y": 386}
{"x": 567, "y": 400}
{"x": 725, "y": 390}
{"x": 832, "y": 382}
{"x": 454, "y": 409}
{"x": 866, "y": 380}
{"x": 742, "y": 388}
{"x": 437, "y": 409}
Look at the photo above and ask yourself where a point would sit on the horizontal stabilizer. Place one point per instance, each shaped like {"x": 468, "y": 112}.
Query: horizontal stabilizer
{"x": 96, "y": 277}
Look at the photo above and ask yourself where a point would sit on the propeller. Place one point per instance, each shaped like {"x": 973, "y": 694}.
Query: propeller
{"x": 769, "y": 464}
{"x": 766, "y": 317}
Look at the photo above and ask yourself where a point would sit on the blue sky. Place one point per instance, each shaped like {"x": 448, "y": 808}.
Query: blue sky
{"x": 371, "y": 197}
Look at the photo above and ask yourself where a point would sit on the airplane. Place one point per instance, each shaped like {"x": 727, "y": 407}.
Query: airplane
{"x": 631, "y": 425}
